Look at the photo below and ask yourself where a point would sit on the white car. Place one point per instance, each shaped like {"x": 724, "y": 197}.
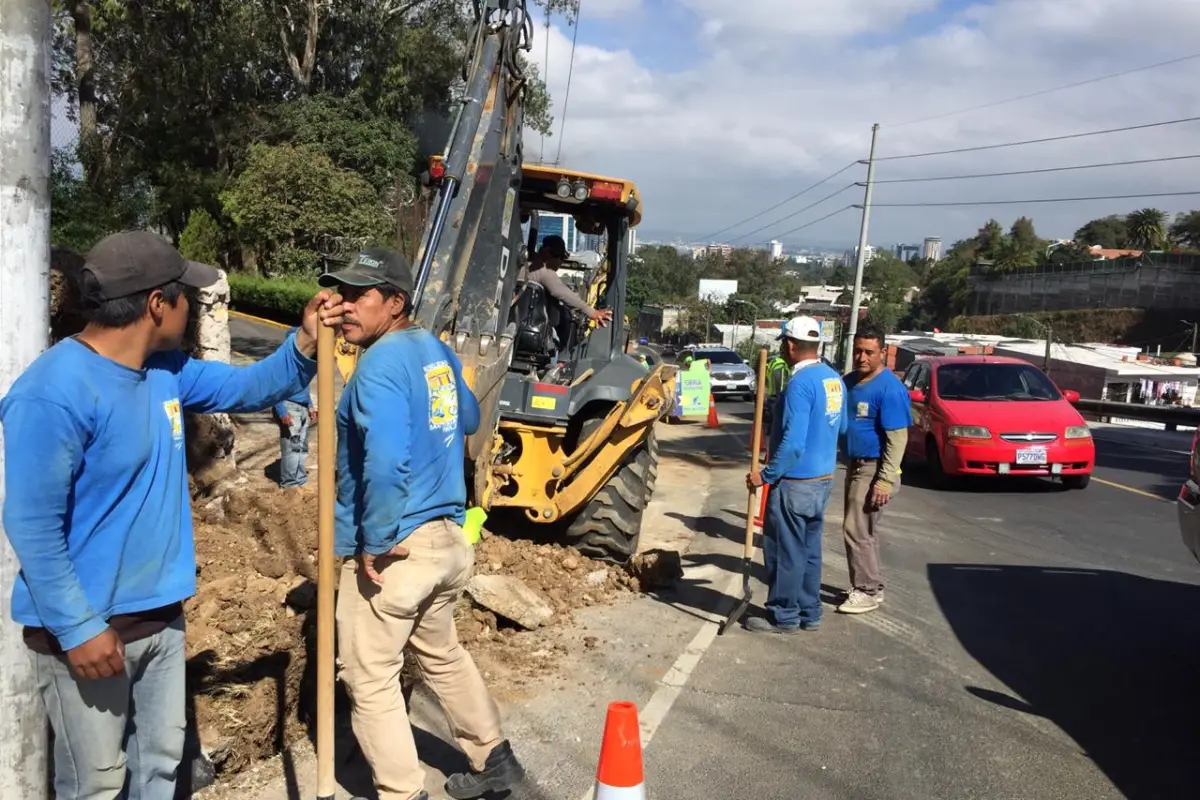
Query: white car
{"x": 730, "y": 375}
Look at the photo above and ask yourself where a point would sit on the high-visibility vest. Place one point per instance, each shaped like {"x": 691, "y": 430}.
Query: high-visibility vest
{"x": 777, "y": 376}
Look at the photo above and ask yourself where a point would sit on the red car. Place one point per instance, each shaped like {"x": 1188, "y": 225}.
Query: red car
{"x": 988, "y": 415}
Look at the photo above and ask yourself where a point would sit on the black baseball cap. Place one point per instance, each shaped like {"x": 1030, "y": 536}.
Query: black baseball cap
{"x": 130, "y": 262}
{"x": 555, "y": 246}
{"x": 372, "y": 267}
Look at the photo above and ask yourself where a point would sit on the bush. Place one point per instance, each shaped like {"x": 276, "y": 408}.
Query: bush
{"x": 279, "y": 299}
{"x": 201, "y": 239}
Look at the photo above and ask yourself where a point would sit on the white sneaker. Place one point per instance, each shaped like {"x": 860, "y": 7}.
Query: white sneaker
{"x": 859, "y": 603}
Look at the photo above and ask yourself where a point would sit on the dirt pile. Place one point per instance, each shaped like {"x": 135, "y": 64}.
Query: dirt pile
{"x": 251, "y": 626}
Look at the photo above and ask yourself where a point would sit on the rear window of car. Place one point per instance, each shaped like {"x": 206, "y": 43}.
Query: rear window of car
{"x": 994, "y": 382}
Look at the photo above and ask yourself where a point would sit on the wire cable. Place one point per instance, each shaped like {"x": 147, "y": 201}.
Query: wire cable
{"x": 793, "y": 214}
{"x": 798, "y": 194}
{"x": 1041, "y": 200}
{"x": 799, "y": 228}
{"x": 1040, "y": 141}
{"x": 1042, "y": 92}
{"x": 570, "y": 71}
{"x": 1037, "y": 171}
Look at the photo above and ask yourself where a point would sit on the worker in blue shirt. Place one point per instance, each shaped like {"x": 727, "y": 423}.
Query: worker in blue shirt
{"x": 294, "y": 415}
{"x": 809, "y": 418}
{"x": 96, "y": 508}
{"x": 880, "y": 414}
{"x": 401, "y": 504}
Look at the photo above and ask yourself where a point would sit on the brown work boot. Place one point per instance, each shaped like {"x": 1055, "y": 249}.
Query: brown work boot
{"x": 501, "y": 772}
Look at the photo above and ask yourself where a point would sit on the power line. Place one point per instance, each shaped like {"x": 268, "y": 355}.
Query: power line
{"x": 794, "y": 213}
{"x": 570, "y": 72}
{"x": 1039, "y": 171}
{"x": 1041, "y": 200}
{"x": 799, "y": 228}
{"x": 800, "y": 193}
{"x": 1042, "y": 92}
{"x": 1040, "y": 141}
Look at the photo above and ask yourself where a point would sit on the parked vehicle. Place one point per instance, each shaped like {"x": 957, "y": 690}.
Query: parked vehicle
{"x": 1187, "y": 505}
{"x": 729, "y": 375}
{"x": 987, "y": 415}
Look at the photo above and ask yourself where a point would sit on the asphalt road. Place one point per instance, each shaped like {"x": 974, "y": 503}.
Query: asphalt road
{"x": 1035, "y": 643}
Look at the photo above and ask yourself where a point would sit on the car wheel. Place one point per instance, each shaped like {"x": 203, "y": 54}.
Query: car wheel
{"x": 1075, "y": 482}
{"x": 933, "y": 465}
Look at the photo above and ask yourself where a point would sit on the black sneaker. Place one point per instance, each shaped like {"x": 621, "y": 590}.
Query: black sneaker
{"x": 500, "y": 772}
{"x": 764, "y": 625}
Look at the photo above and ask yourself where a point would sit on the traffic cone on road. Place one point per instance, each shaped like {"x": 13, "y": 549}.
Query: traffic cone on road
{"x": 713, "y": 422}
{"x": 619, "y": 775}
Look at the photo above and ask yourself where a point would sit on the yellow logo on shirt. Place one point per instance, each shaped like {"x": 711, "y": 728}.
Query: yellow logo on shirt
{"x": 175, "y": 417}
{"x": 443, "y": 396}
{"x": 833, "y": 396}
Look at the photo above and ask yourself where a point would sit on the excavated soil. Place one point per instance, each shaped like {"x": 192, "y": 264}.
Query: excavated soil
{"x": 251, "y": 625}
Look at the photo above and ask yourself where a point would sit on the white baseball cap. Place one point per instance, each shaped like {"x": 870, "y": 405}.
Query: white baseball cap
{"x": 802, "y": 329}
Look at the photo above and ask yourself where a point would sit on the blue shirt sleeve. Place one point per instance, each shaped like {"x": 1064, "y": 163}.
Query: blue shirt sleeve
{"x": 795, "y": 412}
{"x": 380, "y": 411}
{"x": 468, "y": 405}
{"x": 895, "y": 407}
{"x": 206, "y": 387}
{"x": 43, "y": 451}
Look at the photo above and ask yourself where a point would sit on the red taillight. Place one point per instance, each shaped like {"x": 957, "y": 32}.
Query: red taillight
{"x": 436, "y": 169}
{"x": 603, "y": 190}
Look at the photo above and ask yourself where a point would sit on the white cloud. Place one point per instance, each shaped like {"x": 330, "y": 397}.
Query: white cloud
{"x": 751, "y": 110}
{"x": 609, "y": 9}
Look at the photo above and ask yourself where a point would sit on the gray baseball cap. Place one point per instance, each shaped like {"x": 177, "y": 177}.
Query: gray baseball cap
{"x": 130, "y": 262}
{"x": 372, "y": 267}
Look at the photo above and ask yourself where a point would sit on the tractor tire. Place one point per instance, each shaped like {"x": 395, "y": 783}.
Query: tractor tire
{"x": 608, "y": 527}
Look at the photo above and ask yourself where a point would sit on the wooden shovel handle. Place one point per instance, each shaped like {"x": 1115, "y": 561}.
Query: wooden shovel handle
{"x": 755, "y": 447}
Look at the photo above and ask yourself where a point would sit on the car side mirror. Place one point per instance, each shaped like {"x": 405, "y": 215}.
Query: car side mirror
{"x": 1071, "y": 396}
{"x": 917, "y": 396}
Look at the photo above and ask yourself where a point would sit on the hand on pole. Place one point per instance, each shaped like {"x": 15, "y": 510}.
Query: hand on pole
{"x": 325, "y": 308}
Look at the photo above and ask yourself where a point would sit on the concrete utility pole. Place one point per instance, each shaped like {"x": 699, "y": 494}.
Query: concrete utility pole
{"x": 24, "y": 333}
{"x": 861, "y": 261}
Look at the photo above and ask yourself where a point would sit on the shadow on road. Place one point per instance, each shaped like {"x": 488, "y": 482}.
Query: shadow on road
{"x": 1111, "y": 658}
{"x": 1165, "y": 470}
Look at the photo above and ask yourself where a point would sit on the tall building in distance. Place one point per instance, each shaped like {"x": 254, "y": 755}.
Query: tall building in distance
{"x": 933, "y": 248}
{"x": 776, "y": 250}
{"x": 850, "y": 259}
{"x": 906, "y": 251}
{"x": 551, "y": 224}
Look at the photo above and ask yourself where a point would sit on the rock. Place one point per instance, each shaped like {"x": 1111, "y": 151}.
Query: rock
{"x": 656, "y": 568}
{"x": 510, "y": 598}
{"x": 271, "y": 567}
{"x": 571, "y": 563}
{"x": 597, "y": 578}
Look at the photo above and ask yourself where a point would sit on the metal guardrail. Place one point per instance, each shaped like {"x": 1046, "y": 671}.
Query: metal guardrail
{"x": 1171, "y": 416}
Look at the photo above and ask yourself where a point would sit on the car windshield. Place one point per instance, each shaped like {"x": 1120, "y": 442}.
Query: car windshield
{"x": 984, "y": 381}
{"x": 720, "y": 357}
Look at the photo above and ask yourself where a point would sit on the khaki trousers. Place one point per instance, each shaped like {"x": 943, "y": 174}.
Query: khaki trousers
{"x": 860, "y": 527}
{"x": 414, "y": 606}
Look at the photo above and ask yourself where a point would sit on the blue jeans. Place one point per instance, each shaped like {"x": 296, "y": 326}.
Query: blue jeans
{"x": 293, "y": 447}
{"x": 119, "y": 738}
{"x": 792, "y": 550}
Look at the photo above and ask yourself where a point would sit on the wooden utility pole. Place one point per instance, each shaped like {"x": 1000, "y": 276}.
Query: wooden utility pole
{"x": 24, "y": 334}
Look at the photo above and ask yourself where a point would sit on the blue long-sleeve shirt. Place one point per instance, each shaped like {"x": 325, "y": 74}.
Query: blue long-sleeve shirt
{"x": 402, "y": 423}
{"x": 809, "y": 418}
{"x": 96, "y": 494}
{"x": 302, "y": 396}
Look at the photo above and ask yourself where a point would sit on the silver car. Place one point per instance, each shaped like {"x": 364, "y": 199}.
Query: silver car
{"x": 730, "y": 375}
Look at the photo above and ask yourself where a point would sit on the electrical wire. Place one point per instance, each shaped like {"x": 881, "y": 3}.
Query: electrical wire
{"x": 1022, "y": 202}
{"x": 1040, "y": 141}
{"x": 799, "y": 228}
{"x": 1038, "y": 171}
{"x": 570, "y": 72}
{"x": 798, "y": 194}
{"x": 793, "y": 214}
{"x": 1042, "y": 92}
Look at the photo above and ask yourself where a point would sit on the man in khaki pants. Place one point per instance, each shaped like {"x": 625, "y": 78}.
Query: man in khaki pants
{"x": 879, "y": 414}
{"x": 400, "y": 506}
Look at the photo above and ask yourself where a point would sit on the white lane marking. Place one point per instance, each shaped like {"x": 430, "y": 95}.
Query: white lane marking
{"x": 651, "y": 715}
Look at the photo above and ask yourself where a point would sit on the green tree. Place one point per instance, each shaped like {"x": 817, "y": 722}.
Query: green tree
{"x": 1110, "y": 233}
{"x": 1147, "y": 229}
{"x": 1185, "y": 230}
{"x": 202, "y": 238}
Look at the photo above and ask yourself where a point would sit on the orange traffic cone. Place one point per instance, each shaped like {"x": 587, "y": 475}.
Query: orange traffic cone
{"x": 619, "y": 775}
{"x": 713, "y": 422}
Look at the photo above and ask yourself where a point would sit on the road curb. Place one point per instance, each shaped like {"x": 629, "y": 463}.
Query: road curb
{"x": 259, "y": 320}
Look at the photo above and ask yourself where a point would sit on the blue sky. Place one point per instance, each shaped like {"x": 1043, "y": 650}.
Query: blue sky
{"x": 721, "y": 108}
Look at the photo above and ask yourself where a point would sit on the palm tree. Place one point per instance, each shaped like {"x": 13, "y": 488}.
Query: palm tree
{"x": 1147, "y": 229}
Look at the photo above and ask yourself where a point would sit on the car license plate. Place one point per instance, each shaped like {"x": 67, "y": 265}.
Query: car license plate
{"x": 1031, "y": 455}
